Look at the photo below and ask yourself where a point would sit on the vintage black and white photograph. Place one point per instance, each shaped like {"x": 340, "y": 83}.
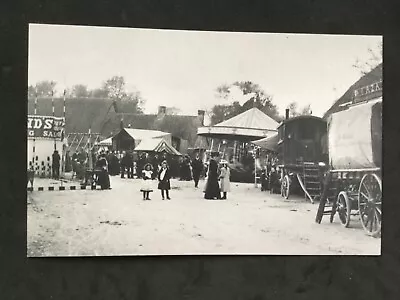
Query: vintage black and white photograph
{"x": 174, "y": 142}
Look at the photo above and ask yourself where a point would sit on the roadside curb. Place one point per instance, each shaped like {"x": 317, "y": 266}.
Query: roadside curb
{"x": 62, "y": 188}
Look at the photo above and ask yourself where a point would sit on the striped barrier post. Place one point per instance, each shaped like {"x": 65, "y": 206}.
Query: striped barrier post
{"x": 34, "y": 160}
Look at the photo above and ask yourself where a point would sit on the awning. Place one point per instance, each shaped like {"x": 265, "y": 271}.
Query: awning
{"x": 269, "y": 143}
{"x": 156, "y": 145}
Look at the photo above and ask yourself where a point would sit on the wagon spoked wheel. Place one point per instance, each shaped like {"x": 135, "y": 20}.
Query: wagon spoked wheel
{"x": 370, "y": 204}
{"x": 285, "y": 187}
{"x": 344, "y": 208}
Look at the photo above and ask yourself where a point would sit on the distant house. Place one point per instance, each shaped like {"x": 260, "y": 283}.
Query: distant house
{"x": 374, "y": 76}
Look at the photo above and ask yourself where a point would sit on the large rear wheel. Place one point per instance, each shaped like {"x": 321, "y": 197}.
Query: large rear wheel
{"x": 370, "y": 204}
{"x": 285, "y": 187}
{"x": 344, "y": 208}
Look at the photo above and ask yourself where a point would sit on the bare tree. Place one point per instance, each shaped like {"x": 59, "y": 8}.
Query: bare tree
{"x": 295, "y": 110}
{"x": 375, "y": 58}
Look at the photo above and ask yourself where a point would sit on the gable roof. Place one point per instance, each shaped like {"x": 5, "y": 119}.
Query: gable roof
{"x": 252, "y": 119}
{"x": 370, "y": 78}
{"x": 156, "y": 145}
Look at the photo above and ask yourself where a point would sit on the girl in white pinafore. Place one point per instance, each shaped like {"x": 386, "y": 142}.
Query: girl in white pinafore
{"x": 147, "y": 188}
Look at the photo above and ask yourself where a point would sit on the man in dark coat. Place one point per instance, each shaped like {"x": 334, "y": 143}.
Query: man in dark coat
{"x": 155, "y": 163}
{"x": 212, "y": 190}
{"x": 94, "y": 158}
{"x": 181, "y": 169}
{"x": 188, "y": 168}
{"x": 124, "y": 164}
{"x": 114, "y": 164}
{"x": 56, "y": 164}
{"x": 197, "y": 167}
{"x": 140, "y": 164}
{"x": 82, "y": 156}
{"x": 129, "y": 164}
{"x": 68, "y": 162}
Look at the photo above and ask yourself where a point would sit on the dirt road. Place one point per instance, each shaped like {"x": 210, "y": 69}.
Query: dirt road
{"x": 119, "y": 222}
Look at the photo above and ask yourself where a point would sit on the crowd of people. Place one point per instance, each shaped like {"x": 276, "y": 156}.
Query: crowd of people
{"x": 161, "y": 167}
{"x": 270, "y": 175}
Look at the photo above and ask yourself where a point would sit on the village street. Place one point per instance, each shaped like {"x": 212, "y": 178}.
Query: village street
{"x": 119, "y": 222}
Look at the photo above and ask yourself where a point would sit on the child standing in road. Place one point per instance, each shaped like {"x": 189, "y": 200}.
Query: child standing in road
{"x": 147, "y": 174}
{"x": 163, "y": 180}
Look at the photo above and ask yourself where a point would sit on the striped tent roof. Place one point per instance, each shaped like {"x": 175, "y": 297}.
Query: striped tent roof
{"x": 106, "y": 142}
{"x": 141, "y": 134}
{"x": 156, "y": 145}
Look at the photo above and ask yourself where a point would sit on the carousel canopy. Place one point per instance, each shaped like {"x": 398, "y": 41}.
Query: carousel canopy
{"x": 268, "y": 143}
{"x": 251, "y": 124}
{"x": 156, "y": 145}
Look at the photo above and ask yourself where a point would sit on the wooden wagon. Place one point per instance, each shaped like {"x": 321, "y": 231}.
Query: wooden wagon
{"x": 353, "y": 184}
{"x": 302, "y": 155}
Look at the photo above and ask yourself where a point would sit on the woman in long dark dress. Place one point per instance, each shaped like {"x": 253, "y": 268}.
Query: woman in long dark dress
{"x": 212, "y": 190}
{"x": 102, "y": 173}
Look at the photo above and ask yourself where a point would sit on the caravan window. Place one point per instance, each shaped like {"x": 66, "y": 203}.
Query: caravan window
{"x": 307, "y": 131}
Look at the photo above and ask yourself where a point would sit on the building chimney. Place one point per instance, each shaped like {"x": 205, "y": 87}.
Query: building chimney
{"x": 200, "y": 115}
{"x": 162, "y": 110}
{"x": 121, "y": 124}
{"x": 287, "y": 113}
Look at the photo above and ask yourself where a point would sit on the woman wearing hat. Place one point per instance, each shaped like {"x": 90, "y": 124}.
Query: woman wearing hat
{"x": 163, "y": 180}
{"x": 147, "y": 174}
{"x": 225, "y": 178}
{"x": 212, "y": 190}
{"x": 102, "y": 172}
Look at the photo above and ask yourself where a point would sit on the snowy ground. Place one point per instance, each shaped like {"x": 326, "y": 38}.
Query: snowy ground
{"x": 119, "y": 222}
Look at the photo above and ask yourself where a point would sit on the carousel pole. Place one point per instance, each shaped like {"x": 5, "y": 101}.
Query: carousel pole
{"x": 234, "y": 151}
{"x": 212, "y": 145}
{"x": 255, "y": 167}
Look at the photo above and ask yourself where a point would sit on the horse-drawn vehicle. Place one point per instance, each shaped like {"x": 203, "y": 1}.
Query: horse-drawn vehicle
{"x": 353, "y": 184}
{"x": 302, "y": 155}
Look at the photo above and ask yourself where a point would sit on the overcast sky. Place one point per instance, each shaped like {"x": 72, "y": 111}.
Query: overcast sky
{"x": 183, "y": 68}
